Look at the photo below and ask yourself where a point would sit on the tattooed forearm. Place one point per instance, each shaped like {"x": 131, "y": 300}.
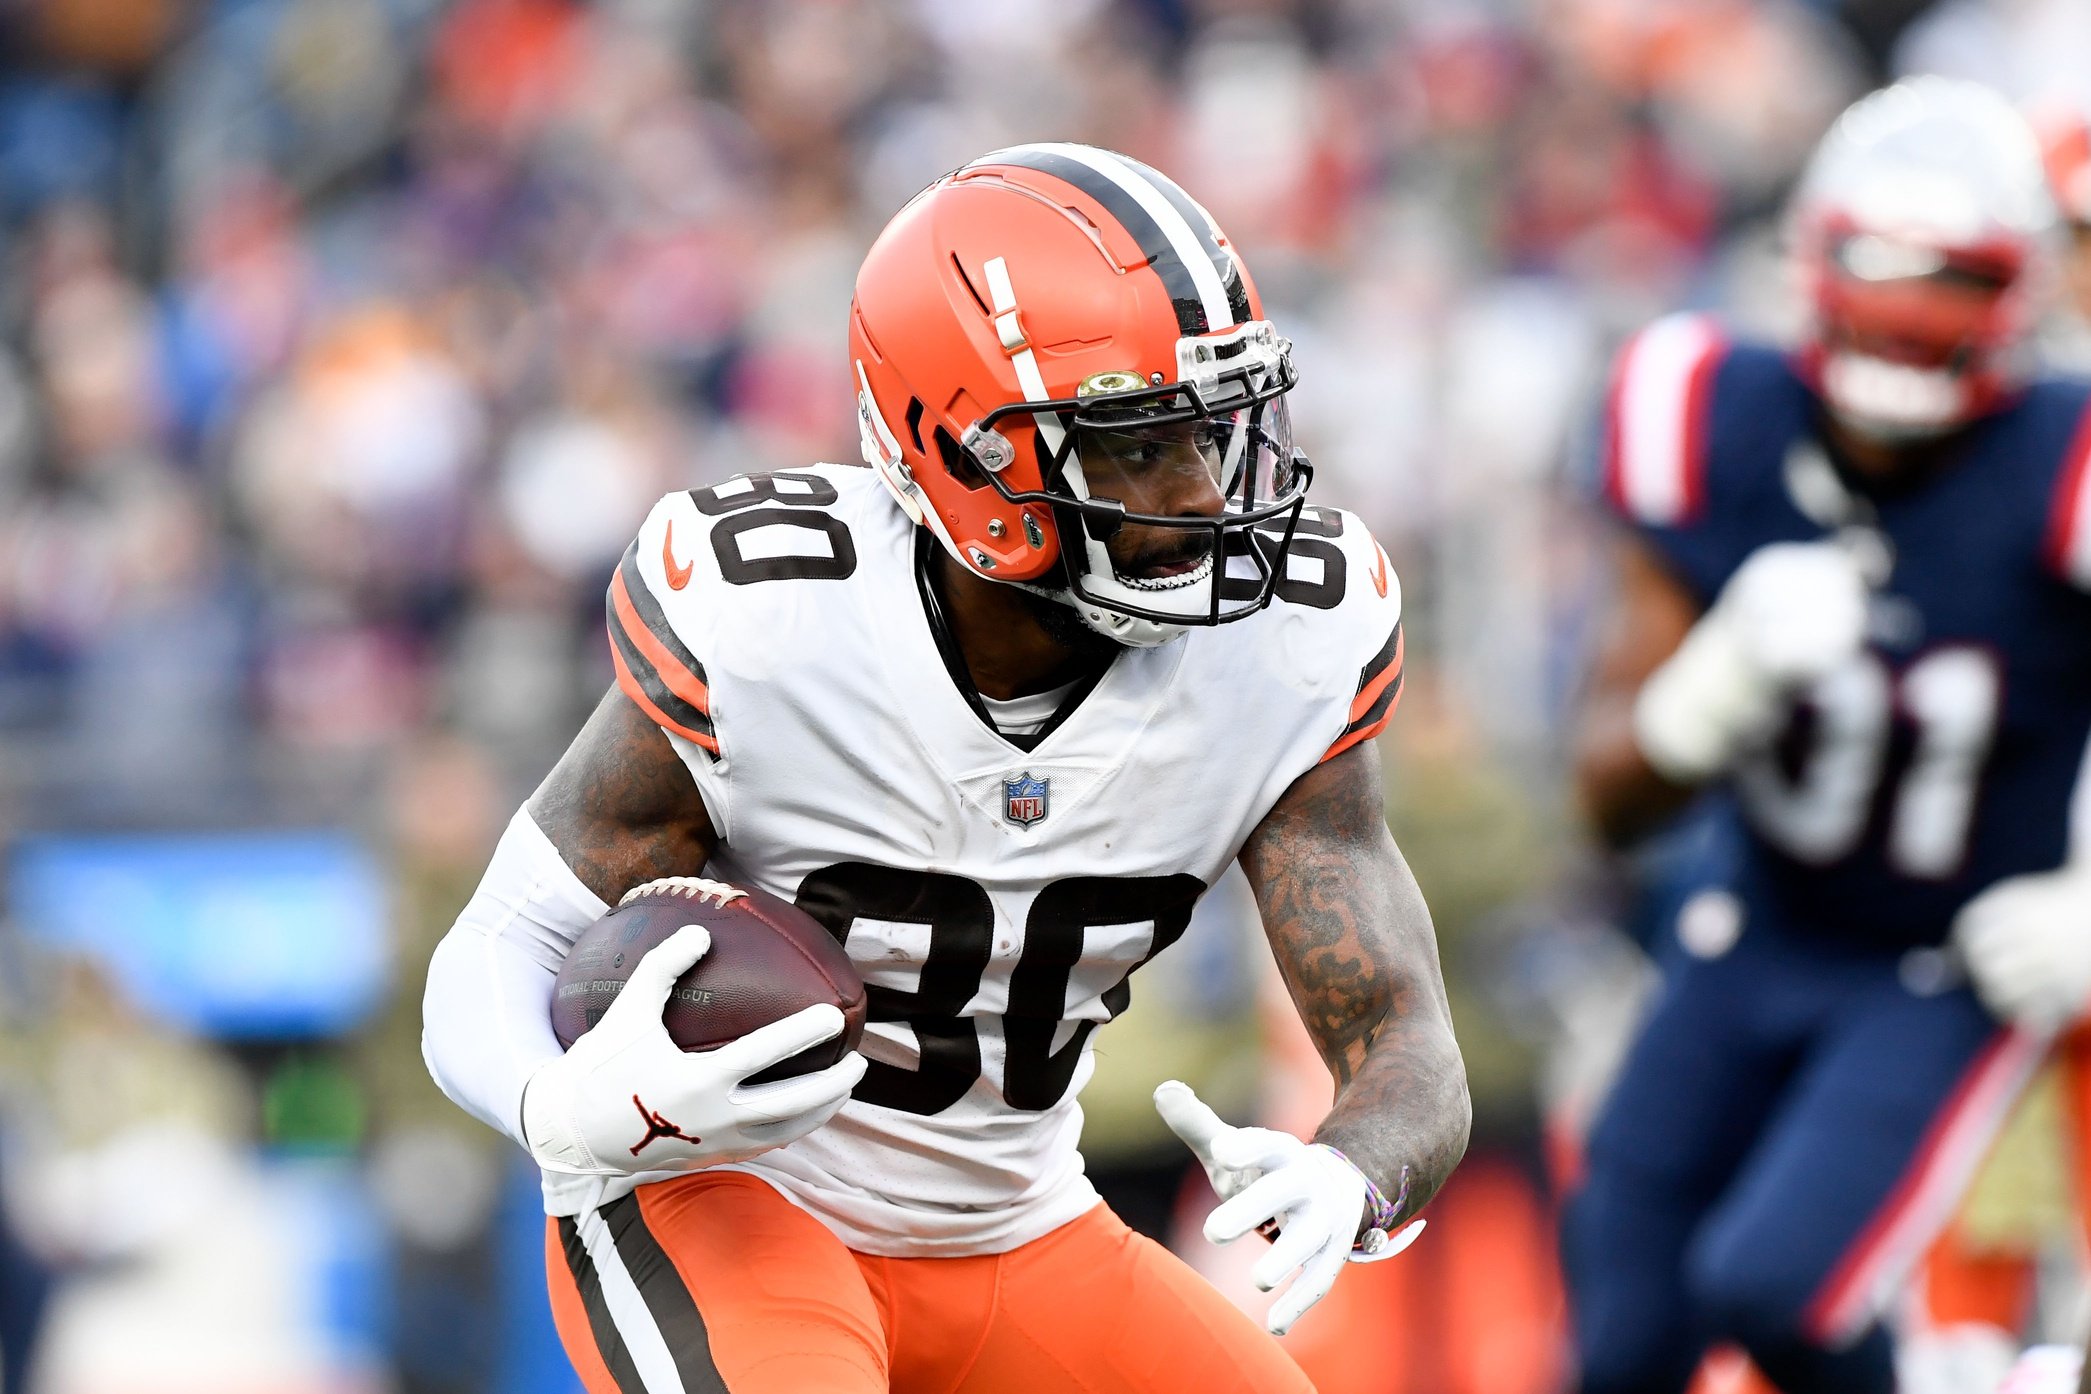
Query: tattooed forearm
{"x": 619, "y": 805}
{"x": 1353, "y": 940}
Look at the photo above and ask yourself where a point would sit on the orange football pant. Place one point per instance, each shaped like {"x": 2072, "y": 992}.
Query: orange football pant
{"x": 715, "y": 1282}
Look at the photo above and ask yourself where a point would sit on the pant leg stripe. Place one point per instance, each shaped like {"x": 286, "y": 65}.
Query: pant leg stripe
{"x": 646, "y": 1347}
{"x": 667, "y": 1297}
{"x": 1888, "y": 1249}
{"x": 609, "y": 1343}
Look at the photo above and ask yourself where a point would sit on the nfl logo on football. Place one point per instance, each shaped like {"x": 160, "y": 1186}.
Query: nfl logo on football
{"x": 1024, "y": 799}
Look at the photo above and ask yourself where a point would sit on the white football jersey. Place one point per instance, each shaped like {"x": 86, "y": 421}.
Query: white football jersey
{"x": 996, "y": 899}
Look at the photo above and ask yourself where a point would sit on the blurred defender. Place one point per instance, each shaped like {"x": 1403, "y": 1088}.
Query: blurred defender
{"x": 1856, "y": 590}
{"x": 997, "y": 711}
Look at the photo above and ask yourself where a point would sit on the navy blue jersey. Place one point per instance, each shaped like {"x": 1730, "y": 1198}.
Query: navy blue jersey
{"x": 1950, "y": 754}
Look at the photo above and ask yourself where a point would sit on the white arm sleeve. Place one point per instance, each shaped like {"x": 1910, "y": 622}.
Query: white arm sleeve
{"x": 486, "y": 1016}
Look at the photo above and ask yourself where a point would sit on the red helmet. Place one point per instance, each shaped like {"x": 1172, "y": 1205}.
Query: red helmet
{"x": 1020, "y": 308}
{"x": 1924, "y": 230}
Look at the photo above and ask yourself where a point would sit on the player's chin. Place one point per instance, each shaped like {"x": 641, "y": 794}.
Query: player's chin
{"x": 1065, "y": 628}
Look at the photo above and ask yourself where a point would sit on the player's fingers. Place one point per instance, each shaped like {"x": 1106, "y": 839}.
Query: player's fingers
{"x": 1974, "y": 928}
{"x": 1317, "y": 1276}
{"x": 807, "y": 1093}
{"x": 1294, "y": 1246}
{"x": 1990, "y": 920}
{"x": 791, "y": 1129}
{"x": 1254, "y": 1149}
{"x": 1264, "y": 1199}
{"x": 780, "y": 1040}
{"x": 2004, "y": 1004}
{"x": 1188, "y": 1116}
{"x": 2017, "y": 973}
{"x": 656, "y": 971}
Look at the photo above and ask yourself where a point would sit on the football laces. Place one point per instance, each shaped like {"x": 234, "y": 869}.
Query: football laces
{"x": 689, "y": 887}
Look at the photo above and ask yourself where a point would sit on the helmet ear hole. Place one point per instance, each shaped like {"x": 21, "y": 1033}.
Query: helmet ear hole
{"x": 958, "y": 464}
{"x": 915, "y": 422}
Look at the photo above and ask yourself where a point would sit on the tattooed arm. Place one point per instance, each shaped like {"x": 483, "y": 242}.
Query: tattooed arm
{"x": 1354, "y": 942}
{"x": 618, "y": 810}
{"x": 619, "y": 805}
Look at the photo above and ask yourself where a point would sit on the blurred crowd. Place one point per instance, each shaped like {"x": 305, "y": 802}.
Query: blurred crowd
{"x": 344, "y": 343}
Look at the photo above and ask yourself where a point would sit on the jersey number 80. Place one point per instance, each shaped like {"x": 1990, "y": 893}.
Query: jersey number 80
{"x": 961, "y": 922}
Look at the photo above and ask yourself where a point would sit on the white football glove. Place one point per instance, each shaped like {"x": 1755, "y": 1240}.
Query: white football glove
{"x": 2026, "y": 942}
{"x": 1792, "y": 613}
{"x": 627, "y": 1099}
{"x": 2045, "y": 1370}
{"x": 1307, "y": 1199}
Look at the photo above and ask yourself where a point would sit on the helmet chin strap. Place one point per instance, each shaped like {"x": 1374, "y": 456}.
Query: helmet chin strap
{"x": 1128, "y": 630}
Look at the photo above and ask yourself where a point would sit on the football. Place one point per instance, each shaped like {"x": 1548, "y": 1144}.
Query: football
{"x": 768, "y": 959}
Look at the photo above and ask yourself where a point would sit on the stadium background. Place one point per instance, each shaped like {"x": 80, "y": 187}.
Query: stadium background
{"x": 344, "y": 342}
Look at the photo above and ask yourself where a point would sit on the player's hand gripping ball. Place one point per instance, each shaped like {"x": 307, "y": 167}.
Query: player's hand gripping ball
{"x": 703, "y": 1024}
{"x": 767, "y": 960}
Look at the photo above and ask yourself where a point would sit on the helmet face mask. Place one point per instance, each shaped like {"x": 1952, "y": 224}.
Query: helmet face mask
{"x": 1924, "y": 233}
{"x": 1911, "y": 333}
{"x": 1064, "y": 375}
{"x": 1101, "y": 454}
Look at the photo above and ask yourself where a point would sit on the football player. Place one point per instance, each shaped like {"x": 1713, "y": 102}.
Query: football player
{"x": 996, "y": 710}
{"x": 1852, "y": 592}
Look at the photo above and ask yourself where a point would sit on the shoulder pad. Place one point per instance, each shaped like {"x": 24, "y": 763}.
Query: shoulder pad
{"x": 1656, "y": 420}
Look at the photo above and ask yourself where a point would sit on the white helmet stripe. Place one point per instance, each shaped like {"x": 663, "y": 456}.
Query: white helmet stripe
{"x": 1002, "y": 295}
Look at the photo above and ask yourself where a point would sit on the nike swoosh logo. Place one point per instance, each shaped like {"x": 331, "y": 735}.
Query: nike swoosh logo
{"x": 1379, "y": 570}
{"x": 679, "y": 576}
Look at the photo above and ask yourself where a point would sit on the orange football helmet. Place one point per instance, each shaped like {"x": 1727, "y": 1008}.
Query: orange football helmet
{"x": 1031, "y": 304}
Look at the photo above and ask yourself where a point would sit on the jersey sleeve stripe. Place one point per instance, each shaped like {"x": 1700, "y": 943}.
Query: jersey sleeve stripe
{"x": 1384, "y": 668}
{"x": 657, "y": 702}
{"x": 679, "y": 672}
{"x": 2069, "y": 528}
{"x": 650, "y": 614}
{"x": 1656, "y": 429}
{"x": 666, "y": 710}
{"x": 1379, "y": 692}
{"x": 1354, "y": 735}
{"x": 2080, "y": 810}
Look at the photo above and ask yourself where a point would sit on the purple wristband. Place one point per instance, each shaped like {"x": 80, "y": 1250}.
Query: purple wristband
{"x": 1381, "y": 1214}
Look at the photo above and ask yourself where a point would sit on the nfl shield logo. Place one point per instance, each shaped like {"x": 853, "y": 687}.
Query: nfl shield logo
{"x": 1024, "y": 799}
